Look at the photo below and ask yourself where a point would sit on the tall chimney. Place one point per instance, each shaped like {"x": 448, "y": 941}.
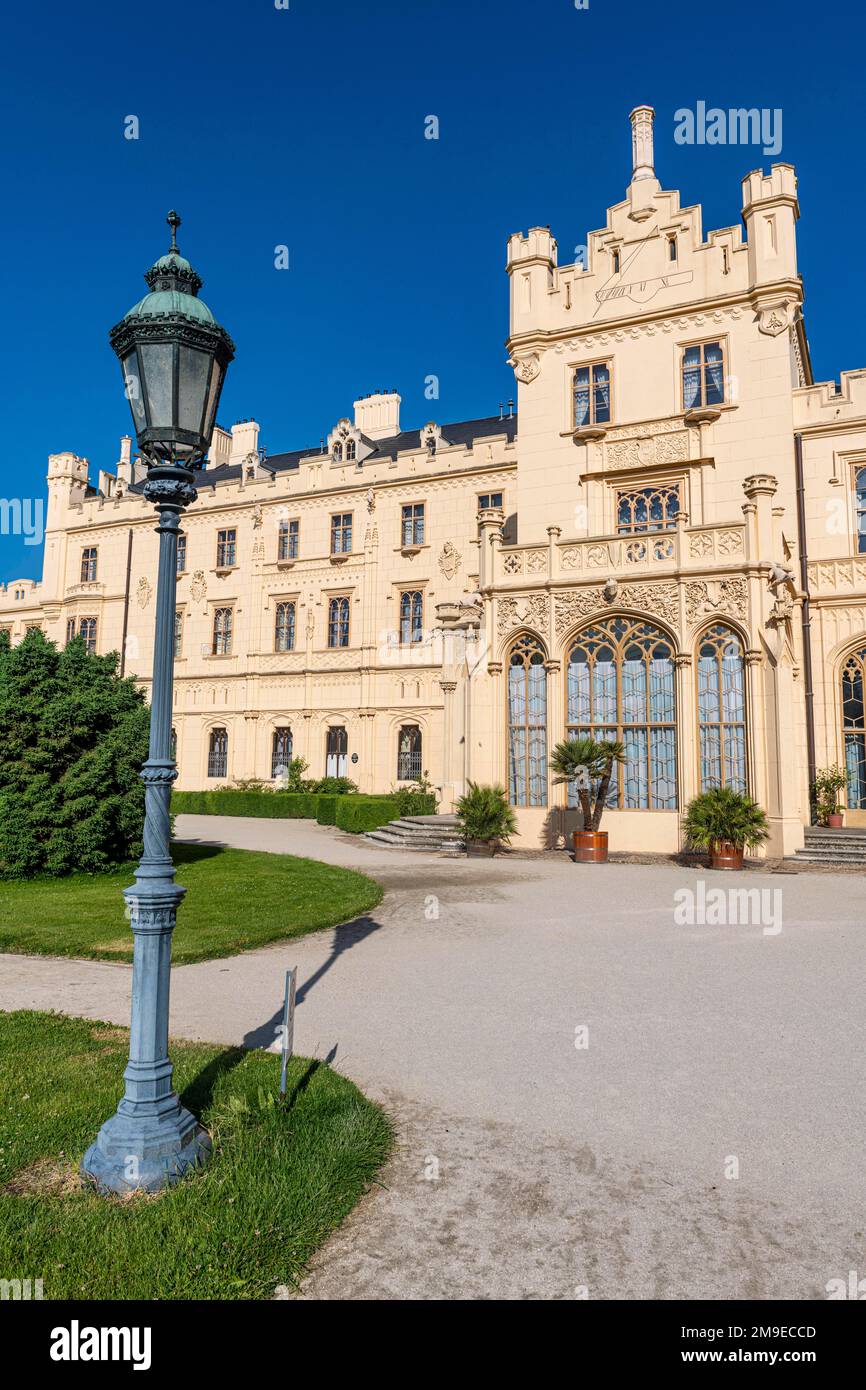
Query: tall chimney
{"x": 642, "y": 142}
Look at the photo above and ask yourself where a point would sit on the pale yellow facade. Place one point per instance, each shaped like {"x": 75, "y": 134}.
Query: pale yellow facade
{"x": 525, "y": 527}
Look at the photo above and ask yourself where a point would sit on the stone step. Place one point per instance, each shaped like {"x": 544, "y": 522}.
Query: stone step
{"x": 821, "y": 845}
{"x": 405, "y": 839}
{"x": 427, "y": 834}
{"x": 830, "y": 856}
{"x": 848, "y": 847}
{"x": 835, "y": 830}
{"x": 833, "y": 855}
{"x": 845, "y": 847}
{"x": 444, "y": 821}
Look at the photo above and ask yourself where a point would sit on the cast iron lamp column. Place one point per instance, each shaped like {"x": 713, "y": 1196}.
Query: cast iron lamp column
{"x": 174, "y": 357}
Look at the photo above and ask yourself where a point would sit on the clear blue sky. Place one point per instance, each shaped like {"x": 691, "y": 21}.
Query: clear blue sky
{"x": 305, "y": 127}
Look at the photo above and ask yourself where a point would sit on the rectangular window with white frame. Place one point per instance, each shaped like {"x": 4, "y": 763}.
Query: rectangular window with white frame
{"x": 88, "y": 564}
{"x": 341, "y": 533}
{"x": 412, "y": 525}
{"x": 227, "y": 549}
{"x": 592, "y": 385}
{"x": 489, "y": 499}
{"x": 703, "y": 375}
{"x": 289, "y": 540}
{"x": 860, "y": 508}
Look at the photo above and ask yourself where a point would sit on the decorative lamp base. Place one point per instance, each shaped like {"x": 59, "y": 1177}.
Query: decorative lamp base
{"x": 135, "y": 1155}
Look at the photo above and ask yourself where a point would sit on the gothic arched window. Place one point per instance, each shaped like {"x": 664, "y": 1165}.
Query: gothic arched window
{"x": 411, "y": 616}
{"x": 338, "y": 622}
{"x": 350, "y": 450}
{"x": 854, "y": 728}
{"x": 620, "y": 685}
{"x": 284, "y": 627}
{"x": 527, "y": 724}
{"x": 722, "y": 709}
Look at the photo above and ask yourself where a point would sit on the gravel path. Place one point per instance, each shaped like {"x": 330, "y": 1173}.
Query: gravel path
{"x": 573, "y": 1075}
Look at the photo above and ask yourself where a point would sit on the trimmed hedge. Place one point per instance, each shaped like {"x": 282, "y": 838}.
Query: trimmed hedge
{"x": 355, "y": 813}
{"x": 270, "y": 805}
{"x": 359, "y": 813}
{"x": 326, "y": 813}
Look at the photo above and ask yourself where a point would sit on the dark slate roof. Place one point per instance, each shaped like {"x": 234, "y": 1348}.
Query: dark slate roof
{"x": 462, "y": 432}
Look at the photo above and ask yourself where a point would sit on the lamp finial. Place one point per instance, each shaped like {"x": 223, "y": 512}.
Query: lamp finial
{"x": 174, "y": 222}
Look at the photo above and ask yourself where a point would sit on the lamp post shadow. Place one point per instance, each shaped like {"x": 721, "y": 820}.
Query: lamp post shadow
{"x": 345, "y": 937}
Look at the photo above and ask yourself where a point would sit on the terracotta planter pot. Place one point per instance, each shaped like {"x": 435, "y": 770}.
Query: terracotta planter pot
{"x": 834, "y": 821}
{"x": 724, "y": 855}
{"x": 481, "y": 849}
{"x": 590, "y": 846}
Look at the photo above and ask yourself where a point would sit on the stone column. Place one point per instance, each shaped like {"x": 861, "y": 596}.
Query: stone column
{"x": 687, "y": 740}
{"x": 366, "y": 775}
{"x": 553, "y": 535}
{"x": 756, "y": 730}
{"x": 499, "y": 758}
{"x": 490, "y": 522}
{"x": 557, "y": 796}
{"x": 449, "y": 752}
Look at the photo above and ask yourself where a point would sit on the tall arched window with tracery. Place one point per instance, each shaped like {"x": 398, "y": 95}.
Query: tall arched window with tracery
{"x": 722, "y": 709}
{"x": 854, "y": 727}
{"x": 620, "y": 685}
{"x": 527, "y": 724}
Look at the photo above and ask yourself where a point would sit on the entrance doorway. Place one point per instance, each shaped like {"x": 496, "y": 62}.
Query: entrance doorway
{"x": 337, "y": 760}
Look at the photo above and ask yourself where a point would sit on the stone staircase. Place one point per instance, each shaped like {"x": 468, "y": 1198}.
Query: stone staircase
{"x": 429, "y": 834}
{"x": 824, "y": 846}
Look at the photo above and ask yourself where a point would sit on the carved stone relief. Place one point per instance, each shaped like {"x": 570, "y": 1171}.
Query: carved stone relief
{"x": 707, "y": 597}
{"x": 531, "y": 610}
{"x": 659, "y": 600}
{"x": 526, "y": 369}
{"x": 449, "y": 560}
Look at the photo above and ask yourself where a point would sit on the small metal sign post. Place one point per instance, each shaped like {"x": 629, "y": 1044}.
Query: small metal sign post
{"x": 288, "y": 1029}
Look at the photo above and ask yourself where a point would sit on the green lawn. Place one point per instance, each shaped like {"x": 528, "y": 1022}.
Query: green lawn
{"x": 280, "y": 1179}
{"x": 236, "y": 899}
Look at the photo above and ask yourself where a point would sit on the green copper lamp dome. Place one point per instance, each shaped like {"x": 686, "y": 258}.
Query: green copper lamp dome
{"x": 174, "y": 357}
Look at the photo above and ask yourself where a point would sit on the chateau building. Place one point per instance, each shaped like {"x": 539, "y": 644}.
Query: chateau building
{"x": 665, "y": 544}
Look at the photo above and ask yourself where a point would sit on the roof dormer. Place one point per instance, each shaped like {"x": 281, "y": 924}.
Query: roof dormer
{"x": 346, "y": 444}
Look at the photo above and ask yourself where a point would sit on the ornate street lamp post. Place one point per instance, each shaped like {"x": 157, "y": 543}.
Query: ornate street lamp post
{"x": 174, "y": 357}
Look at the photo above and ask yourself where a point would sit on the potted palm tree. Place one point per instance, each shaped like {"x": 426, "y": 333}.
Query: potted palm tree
{"x": 829, "y": 781}
{"x": 725, "y": 822}
{"x": 587, "y": 765}
{"x": 486, "y": 819}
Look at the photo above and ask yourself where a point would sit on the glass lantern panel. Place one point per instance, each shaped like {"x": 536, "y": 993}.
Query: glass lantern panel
{"x": 157, "y": 365}
{"x": 132, "y": 387}
{"x": 216, "y": 378}
{"x": 193, "y": 385}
